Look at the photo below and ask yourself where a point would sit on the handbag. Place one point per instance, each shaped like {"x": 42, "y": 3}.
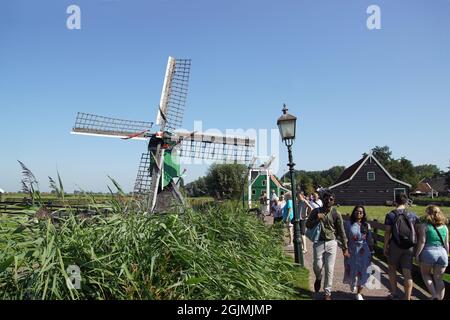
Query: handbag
{"x": 313, "y": 234}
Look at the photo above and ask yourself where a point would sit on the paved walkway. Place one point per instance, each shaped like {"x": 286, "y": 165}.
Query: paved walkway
{"x": 378, "y": 284}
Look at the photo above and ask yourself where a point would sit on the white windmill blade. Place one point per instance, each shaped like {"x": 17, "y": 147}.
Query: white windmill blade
{"x": 94, "y": 125}
{"x": 174, "y": 94}
{"x": 253, "y": 162}
{"x": 161, "y": 118}
{"x": 267, "y": 164}
{"x": 222, "y": 148}
{"x": 214, "y": 138}
{"x": 155, "y": 177}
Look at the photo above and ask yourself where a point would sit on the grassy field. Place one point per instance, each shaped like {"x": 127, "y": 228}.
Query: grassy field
{"x": 218, "y": 253}
{"x": 379, "y": 212}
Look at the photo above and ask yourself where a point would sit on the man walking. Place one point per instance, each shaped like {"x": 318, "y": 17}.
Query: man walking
{"x": 324, "y": 250}
{"x": 399, "y": 241}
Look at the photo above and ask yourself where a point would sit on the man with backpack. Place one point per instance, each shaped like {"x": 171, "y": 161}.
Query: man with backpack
{"x": 399, "y": 241}
{"x": 325, "y": 248}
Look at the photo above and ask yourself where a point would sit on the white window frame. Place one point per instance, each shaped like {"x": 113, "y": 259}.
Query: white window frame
{"x": 374, "y": 176}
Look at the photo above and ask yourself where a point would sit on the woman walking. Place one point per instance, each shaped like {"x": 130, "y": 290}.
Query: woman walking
{"x": 360, "y": 247}
{"x": 432, "y": 250}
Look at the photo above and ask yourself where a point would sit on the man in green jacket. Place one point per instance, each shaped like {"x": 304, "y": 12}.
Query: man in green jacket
{"x": 324, "y": 250}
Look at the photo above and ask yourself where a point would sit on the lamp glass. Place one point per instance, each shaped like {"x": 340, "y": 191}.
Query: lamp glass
{"x": 287, "y": 127}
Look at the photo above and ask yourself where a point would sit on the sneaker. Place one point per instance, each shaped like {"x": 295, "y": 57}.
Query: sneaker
{"x": 359, "y": 296}
{"x": 317, "y": 285}
{"x": 393, "y": 296}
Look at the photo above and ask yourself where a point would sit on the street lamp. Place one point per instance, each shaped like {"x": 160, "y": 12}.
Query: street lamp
{"x": 286, "y": 124}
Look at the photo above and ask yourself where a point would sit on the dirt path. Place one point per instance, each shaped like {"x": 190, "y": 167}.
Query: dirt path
{"x": 378, "y": 284}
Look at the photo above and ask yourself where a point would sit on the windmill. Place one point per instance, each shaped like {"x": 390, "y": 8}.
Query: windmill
{"x": 254, "y": 172}
{"x": 160, "y": 165}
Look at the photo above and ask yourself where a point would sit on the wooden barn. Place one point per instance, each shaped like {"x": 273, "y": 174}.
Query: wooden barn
{"x": 367, "y": 182}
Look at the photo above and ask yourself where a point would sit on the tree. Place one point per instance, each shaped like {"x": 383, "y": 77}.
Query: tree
{"x": 383, "y": 154}
{"x": 447, "y": 179}
{"x": 197, "y": 188}
{"x": 427, "y": 171}
{"x": 403, "y": 170}
{"x": 226, "y": 181}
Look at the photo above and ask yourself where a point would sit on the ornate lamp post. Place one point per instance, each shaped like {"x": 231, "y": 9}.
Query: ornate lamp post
{"x": 286, "y": 124}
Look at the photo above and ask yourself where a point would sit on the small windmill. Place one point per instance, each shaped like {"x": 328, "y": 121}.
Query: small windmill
{"x": 254, "y": 174}
{"x": 159, "y": 166}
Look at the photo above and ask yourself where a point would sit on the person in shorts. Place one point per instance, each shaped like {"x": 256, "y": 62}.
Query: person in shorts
{"x": 304, "y": 209}
{"x": 397, "y": 256}
{"x": 288, "y": 218}
{"x": 432, "y": 250}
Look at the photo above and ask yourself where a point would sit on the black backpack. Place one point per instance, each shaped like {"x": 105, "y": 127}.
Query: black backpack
{"x": 403, "y": 230}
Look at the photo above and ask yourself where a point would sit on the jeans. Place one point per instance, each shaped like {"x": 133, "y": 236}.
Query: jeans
{"x": 434, "y": 256}
{"x": 324, "y": 253}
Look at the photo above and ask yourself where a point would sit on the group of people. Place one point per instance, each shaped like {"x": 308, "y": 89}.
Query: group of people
{"x": 406, "y": 237}
{"x": 281, "y": 208}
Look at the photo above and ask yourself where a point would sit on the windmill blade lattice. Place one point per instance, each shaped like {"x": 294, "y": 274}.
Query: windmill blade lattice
{"x": 220, "y": 148}
{"x": 143, "y": 179}
{"x": 92, "y": 124}
{"x": 178, "y": 89}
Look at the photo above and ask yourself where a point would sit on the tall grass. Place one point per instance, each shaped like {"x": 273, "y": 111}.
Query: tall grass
{"x": 219, "y": 253}
{"x": 213, "y": 252}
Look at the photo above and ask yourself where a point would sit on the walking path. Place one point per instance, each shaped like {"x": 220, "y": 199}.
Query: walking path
{"x": 378, "y": 283}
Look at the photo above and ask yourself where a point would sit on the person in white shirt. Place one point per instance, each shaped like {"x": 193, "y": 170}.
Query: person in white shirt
{"x": 316, "y": 202}
{"x": 278, "y": 213}
{"x": 304, "y": 208}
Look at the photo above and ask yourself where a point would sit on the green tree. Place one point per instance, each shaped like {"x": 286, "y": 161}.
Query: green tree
{"x": 447, "y": 179}
{"x": 226, "y": 181}
{"x": 403, "y": 169}
{"x": 383, "y": 154}
{"x": 427, "y": 171}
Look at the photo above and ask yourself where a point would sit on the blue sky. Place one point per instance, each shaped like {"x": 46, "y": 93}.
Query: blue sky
{"x": 351, "y": 88}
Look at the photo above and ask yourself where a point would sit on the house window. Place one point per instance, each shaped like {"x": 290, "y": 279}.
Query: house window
{"x": 264, "y": 183}
{"x": 371, "y": 176}
{"x": 253, "y": 192}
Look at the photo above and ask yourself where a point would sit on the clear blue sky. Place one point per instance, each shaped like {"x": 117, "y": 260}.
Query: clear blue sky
{"x": 352, "y": 88}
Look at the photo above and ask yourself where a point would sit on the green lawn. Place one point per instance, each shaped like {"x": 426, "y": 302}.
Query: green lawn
{"x": 379, "y": 212}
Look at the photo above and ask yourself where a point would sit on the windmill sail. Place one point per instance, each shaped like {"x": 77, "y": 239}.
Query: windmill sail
{"x": 221, "y": 148}
{"x": 143, "y": 179}
{"x": 174, "y": 94}
{"x": 91, "y": 124}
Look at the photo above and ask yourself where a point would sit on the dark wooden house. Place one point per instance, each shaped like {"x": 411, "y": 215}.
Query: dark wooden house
{"x": 367, "y": 182}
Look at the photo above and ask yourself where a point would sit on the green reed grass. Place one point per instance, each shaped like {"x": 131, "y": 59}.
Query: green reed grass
{"x": 219, "y": 253}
